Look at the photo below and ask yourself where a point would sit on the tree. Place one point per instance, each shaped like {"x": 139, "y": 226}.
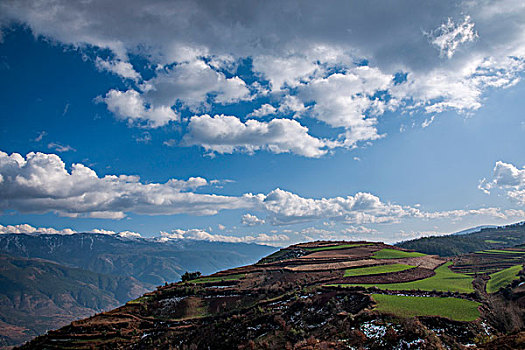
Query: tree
{"x": 188, "y": 276}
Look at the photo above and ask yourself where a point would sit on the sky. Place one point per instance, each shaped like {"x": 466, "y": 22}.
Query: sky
{"x": 268, "y": 122}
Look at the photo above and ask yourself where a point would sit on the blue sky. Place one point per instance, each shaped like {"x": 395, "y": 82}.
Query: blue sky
{"x": 240, "y": 131}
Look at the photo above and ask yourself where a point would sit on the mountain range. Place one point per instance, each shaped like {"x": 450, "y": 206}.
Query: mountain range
{"x": 48, "y": 281}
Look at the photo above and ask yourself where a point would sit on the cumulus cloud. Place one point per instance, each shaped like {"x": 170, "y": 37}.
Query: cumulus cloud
{"x": 201, "y": 235}
{"x": 509, "y": 178}
{"x": 192, "y": 83}
{"x": 28, "y": 229}
{"x": 263, "y": 111}
{"x": 226, "y": 134}
{"x": 121, "y": 68}
{"x": 251, "y": 220}
{"x": 335, "y": 63}
{"x": 363, "y": 208}
{"x": 130, "y": 105}
{"x": 41, "y": 183}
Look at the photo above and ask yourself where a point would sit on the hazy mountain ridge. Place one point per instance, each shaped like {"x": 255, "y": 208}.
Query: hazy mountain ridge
{"x": 148, "y": 261}
{"x": 37, "y": 295}
{"x": 47, "y": 281}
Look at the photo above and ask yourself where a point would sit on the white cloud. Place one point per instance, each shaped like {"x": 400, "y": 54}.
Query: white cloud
{"x": 363, "y": 208}
{"x": 130, "y": 106}
{"x": 284, "y": 71}
{"x": 306, "y": 52}
{"x": 448, "y": 36}
{"x": 41, "y": 183}
{"x": 226, "y": 134}
{"x": 263, "y": 111}
{"x": 28, "y": 229}
{"x": 508, "y": 178}
{"x": 121, "y": 68}
{"x": 251, "y": 220}
{"x": 347, "y": 100}
{"x": 60, "y": 148}
{"x": 192, "y": 83}
{"x": 201, "y": 235}
{"x": 427, "y": 122}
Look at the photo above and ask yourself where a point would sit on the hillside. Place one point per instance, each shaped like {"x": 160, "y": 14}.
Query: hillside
{"x": 322, "y": 295}
{"x": 148, "y": 261}
{"x": 47, "y": 281}
{"x": 454, "y": 244}
{"x": 37, "y": 295}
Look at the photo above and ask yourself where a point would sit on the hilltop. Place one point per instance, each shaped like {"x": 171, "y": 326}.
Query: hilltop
{"x": 483, "y": 237}
{"x": 322, "y": 295}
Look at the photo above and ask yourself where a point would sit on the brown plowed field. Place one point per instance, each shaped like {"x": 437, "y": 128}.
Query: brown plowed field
{"x": 334, "y": 265}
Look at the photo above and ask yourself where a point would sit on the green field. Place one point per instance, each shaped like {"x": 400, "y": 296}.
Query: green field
{"x": 341, "y": 246}
{"x": 212, "y": 279}
{"x": 376, "y": 270}
{"x": 496, "y": 251}
{"x": 388, "y": 253}
{"x": 443, "y": 281}
{"x": 493, "y": 241}
{"x": 502, "y": 278}
{"x": 453, "y": 308}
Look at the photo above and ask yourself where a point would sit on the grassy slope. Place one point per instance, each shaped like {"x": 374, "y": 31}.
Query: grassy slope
{"x": 444, "y": 281}
{"x": 376, "y": 270}
{"x": 388, "y": 253}
{"x": 502, "y": 278}
{"x": 453, "y": 308}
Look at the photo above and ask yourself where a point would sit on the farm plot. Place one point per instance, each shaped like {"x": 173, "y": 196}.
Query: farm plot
{"x": 336, "y": 247}
{"x": 406, "y": 306}
{"x": 502, "y": 278}
{"x": 389, "y": 253}
{"x": 214, "y": 279}
{"x": 443, "y": 281}
{"x": 377, "y": 270}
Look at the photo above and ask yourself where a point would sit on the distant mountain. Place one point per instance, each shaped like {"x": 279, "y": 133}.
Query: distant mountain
{"x": 462, "y": 243}
{"x": 47, "y": 281}
{"x": 148, "y": 261}
{"x": 37, "y": 295}
{"x": 474, "y": 229}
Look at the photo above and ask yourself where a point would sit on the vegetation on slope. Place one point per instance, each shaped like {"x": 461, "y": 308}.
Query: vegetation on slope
{"x": 376, "y": 270}
{"x": 453, "y": 245}
{"x": 503, "y": 278}
{"x": 408, "y": 306}
{"x": 37, "y": 295}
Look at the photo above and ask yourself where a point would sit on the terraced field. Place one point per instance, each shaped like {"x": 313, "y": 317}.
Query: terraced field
{"x": 444, "y": 280}
{"x": 213, "y": 279}
{"x": 377, "y": 270}
{"x": 408, "y": 306}
{"x": 335, "y": 247}
{"x": 388, "y": 253}
{"x": 503, "y": 278}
